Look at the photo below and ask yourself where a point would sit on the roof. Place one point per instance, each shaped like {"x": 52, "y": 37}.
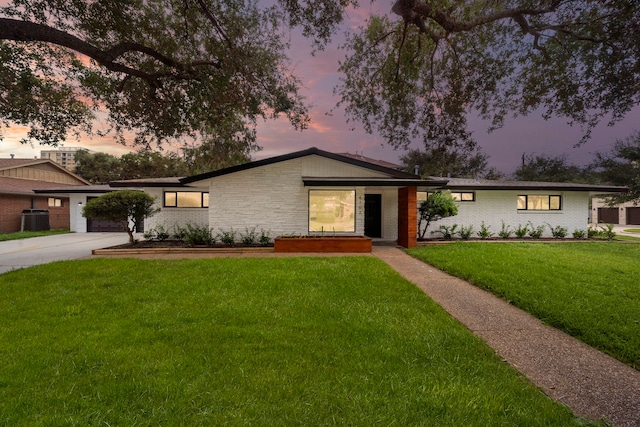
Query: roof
{"x": 488, "y": 184}
{"x": 97, "y": 189}
{"x": 6, "y": 164}
{"x": 27, "y": 186}
{"x": 13, "y": 163}
{"x": 148, "y": 182}
{"x": 393, "y": 173}
{"x": 370, "y": 160}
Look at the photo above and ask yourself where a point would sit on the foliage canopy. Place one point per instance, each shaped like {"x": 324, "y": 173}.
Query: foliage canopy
{"x": 437, "y": 206}
{"x": 621, "y": 166}
{"x": 420, "y": 76}
{"x": 551, "y": 169}
{"x": 160, "y": 69}
{"x": 209, "y": 70}
{"x": 128, "y": 207}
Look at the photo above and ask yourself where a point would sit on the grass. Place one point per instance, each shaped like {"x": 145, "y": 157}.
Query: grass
{"x": 632, "y": 230}
{"x": 264, "y": 342}
{"x": 589, "y": 290}
{"x": 28, "y": 234}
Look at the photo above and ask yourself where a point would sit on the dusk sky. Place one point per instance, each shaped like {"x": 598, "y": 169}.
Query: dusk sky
{"x": 319, "y": 75}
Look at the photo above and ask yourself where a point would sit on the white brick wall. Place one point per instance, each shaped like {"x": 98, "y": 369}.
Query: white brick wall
{"x": 271, "y": 197}
{"x": 168, "y": 217}
{"x": 493, "y": 207}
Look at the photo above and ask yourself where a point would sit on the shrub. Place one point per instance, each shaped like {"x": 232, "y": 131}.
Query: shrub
{"x": 196, "y": 234}
{"x": 465, "y": 232}
{"x": 159, "y": 232}
{"x": 579, "y": 234}
{"x": 227, "y": 237}
{"x": 505, "y": 231}
{"x": 606, "y": 232}
{"x": 265, "y": 237}
{"x": 484, "y": 232}
{"x": 592, "y": 232}
{"x": 249, "y": 237}
{"x": 536, "y": 232}
{"x": 521, "y": 231}
{"x": 447, "y": 231}
{"x": 558, "y": 232}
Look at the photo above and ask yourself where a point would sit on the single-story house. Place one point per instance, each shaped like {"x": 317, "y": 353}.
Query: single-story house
{"x": 19, "y": 178}
{"x": 315, "y": 191}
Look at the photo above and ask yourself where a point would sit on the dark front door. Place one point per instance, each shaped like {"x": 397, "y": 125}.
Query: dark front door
{"x": 373, "y": 215}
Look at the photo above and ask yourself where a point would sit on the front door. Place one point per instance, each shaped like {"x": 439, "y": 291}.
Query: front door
{"x": 373, "y": 215}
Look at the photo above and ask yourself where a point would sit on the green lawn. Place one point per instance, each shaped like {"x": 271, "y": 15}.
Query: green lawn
{"x": 589, "y": 290}
{"x": 27, "y": 234}
{"x": 264, "y": 342}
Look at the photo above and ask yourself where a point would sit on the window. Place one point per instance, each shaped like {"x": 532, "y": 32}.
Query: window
{"x": 186, "y": 199}
{"x": 55, "y": 202}
{"x": 332, "y": 210}
{"x": 458, "y": 196}
{"x": 539, "y": 202}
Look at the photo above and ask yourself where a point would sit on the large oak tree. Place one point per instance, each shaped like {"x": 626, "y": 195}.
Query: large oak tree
{"x": 178, "y": 68}
{"x": 160, "y": 69}
{"x": 421, "y": 70}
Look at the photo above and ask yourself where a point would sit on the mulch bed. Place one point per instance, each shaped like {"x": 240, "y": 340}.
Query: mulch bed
{"x": 157, "y": 244}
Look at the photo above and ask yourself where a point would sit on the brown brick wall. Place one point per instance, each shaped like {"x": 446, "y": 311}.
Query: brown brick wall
{"x": 11, "y": 207}
{"x": 407, "y": 217}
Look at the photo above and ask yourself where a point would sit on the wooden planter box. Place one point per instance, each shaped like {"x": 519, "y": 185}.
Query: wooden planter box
{"x": 345, "y": 244}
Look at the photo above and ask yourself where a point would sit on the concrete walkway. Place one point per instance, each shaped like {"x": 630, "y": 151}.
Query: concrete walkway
{"x": 591, "y": 383}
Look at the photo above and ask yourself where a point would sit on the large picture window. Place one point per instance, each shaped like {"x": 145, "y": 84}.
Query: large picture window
{"x": 539, "y": 202}
{"x": 332, "y": 210}
{"x": 186, "y": 199}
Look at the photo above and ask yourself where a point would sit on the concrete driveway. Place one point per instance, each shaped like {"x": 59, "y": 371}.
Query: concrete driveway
{"x": 16, "y": 254}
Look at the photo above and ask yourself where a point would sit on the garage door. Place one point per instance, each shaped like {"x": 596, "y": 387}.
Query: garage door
{"x": 104, "y": 226}
{"x": 608, "y": 215}
{"x": 633, "y": 216}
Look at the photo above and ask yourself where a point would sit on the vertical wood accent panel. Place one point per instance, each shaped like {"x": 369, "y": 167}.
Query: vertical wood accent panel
{"x": 407, "y": 217}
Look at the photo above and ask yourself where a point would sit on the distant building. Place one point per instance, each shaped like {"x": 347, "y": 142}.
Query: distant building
{"x": 63, "y": 156}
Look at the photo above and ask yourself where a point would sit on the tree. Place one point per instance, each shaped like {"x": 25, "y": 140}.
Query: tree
{"x": 183, "y": 69}
{"x": 437, "y": 206}
{"x": 551, "y": 169}
{"x": 419, "y": 73}
{"x": 151, "y": 164}
{"x": 621, "y": 166}
{"x": 127, "y": 207}
{"x": 97, "y": 168}
{"x": 441, "y": 160}
{"x": 160, "y": 69}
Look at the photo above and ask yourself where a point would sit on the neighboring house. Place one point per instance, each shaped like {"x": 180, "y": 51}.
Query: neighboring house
{"x": 624, "y": 214}
{"x": 314, "y": 191}
{"x": 19, "y": 178}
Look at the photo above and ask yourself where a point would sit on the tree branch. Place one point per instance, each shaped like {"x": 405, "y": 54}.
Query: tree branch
{"x": 16, "y": 30}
